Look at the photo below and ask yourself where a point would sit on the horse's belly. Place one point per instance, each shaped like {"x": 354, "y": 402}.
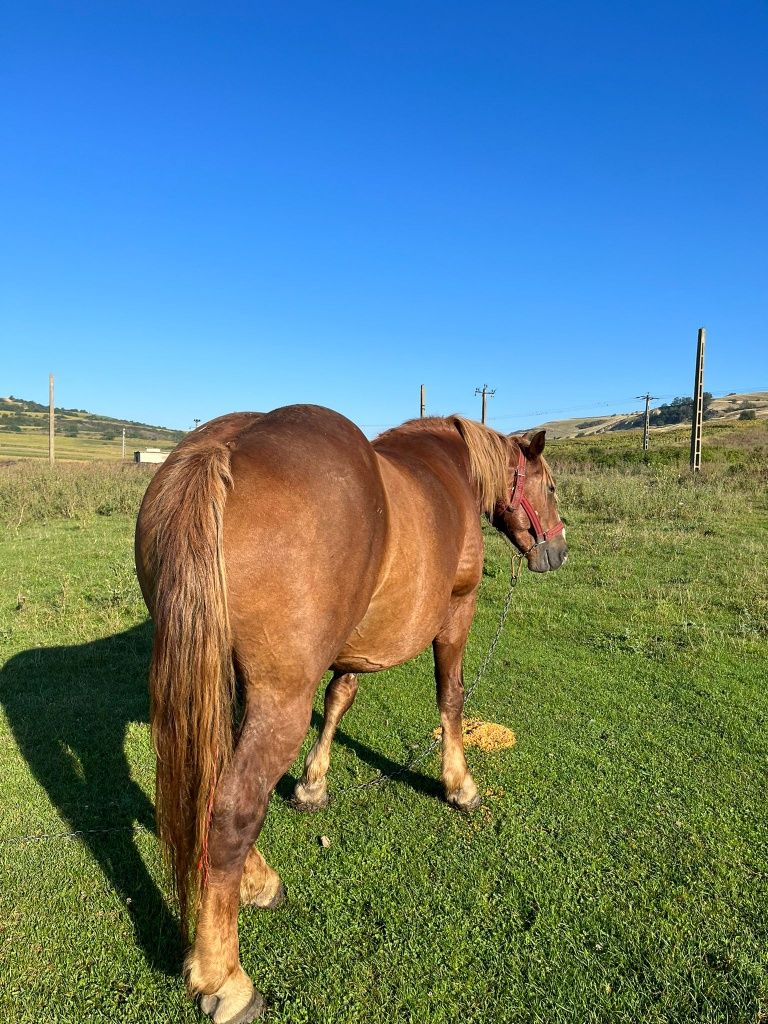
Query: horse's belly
{"x": 389, "y": 636}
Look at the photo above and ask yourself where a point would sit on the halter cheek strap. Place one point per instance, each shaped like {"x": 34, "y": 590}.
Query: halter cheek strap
{"x": 518, "y": 499}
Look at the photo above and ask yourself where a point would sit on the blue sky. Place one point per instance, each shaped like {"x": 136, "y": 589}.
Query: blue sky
{"x": 209, "y": 207}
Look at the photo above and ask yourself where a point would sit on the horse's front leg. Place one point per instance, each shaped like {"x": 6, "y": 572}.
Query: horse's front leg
{"x": 448, "y": 647}
{"x": 311, "y": 792}
{"x": 272, "y": 732}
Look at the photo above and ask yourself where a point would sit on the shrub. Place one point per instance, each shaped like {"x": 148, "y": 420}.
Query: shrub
{"x": 35, "y": 492}
{"x": 748, "y": 414}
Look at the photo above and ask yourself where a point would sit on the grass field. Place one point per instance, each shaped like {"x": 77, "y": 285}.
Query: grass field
{"x": 33, "y": 444}
{"x": 80, "y": 435}
{"x": 618, "y": 870}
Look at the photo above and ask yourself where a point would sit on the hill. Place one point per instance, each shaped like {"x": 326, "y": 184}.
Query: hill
{"x": 80, "y": 435}
{"x": 726, "y": 408}
{"x": 612, "y": 440}
{"x": 728, "y": 446}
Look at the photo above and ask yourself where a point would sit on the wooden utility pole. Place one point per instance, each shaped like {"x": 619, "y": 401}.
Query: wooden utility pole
{"x": 698, "y": 403}
{"x": 423, "y": 402}
{"x": 51, "y": 420}
{"x": 486, "y": 392}
{"x": 647, "y": 425}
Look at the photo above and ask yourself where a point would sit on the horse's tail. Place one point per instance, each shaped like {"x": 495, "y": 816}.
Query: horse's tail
{"x": 191, "y": 678}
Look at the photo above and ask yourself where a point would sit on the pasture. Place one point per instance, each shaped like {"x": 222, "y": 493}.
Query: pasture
{"x": 617, "y": 871}
{"x": 34, "y": 445}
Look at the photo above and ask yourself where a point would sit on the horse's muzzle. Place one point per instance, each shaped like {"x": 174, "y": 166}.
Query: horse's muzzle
{"x": 548, "y": 556}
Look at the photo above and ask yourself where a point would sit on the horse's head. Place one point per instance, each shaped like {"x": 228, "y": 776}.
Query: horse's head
{"x": 529, "y": 514}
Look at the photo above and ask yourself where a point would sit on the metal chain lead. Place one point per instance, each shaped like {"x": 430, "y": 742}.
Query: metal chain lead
{"x": 38, "y": 838}
{"x": 382, "y": 777}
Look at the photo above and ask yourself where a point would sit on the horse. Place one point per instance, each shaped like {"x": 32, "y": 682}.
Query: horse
{"x": 270, "y": 548}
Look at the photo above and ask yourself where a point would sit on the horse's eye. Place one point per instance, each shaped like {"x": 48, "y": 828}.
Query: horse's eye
{"x": 551, "y": 488}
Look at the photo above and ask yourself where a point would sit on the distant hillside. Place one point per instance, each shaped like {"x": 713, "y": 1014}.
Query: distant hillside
{"x": 23, "y": 413}
{"x": 79, "y": 434}
{"x": 729, "y": 407}
{"x": 729, "y": 445}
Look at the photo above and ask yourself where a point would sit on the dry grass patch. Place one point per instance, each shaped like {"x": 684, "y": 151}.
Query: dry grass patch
{"x": 487, "y": 736}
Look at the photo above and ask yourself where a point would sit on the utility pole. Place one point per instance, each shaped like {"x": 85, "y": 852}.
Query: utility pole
{"x": 123, "y": 455}
{"x": 196, "y": 421}
{"x": 485, "y": 391}
{"x": 698, "y": 403}
{"x": 423, "y": 402}
{"x": 647, "y": 426}
{"x": 51, "y": 420}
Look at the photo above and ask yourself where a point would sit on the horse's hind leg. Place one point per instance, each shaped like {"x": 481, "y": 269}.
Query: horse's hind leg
{"x": 274, "y": 726}
{"x": 311, "y": 792}
{"x": 448, "y": 647}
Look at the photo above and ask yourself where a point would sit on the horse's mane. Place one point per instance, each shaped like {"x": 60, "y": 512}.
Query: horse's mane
{"x": 489, "y": 454}
{"x": 488, "y": 450}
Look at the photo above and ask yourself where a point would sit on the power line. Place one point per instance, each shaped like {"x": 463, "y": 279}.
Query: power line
{"x": 584, "y": 407}
{"x": 616, "y": 403}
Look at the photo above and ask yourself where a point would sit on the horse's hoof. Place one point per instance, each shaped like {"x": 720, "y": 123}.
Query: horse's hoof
{"x": 303, "y": 802}
{"x": 208, "y": 1004}
{"x": 471, "y": 805}
{"x": 252, "y": 1010}
{"x": 248, "y": 1013}
{"x": 466, "y": 798}
{"x": 278, "y": 899}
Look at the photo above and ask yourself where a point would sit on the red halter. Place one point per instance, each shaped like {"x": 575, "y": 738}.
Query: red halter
{"x": 518, "y": 499}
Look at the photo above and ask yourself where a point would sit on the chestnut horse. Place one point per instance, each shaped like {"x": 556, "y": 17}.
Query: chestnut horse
{"x": 270, "y": 548}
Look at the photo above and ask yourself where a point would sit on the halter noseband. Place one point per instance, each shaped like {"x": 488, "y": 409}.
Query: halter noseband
{"x": 517, "y": 499}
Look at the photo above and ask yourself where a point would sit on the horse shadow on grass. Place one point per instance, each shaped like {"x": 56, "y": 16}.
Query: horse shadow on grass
{"x": 69, "y": 709}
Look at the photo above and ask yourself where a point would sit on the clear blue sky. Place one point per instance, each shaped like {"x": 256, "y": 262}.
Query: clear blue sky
{"x": 207, "y": 207}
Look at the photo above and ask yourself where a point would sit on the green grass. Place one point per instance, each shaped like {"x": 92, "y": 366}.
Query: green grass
{"x": 618, "y": 870}
{"x": 728, "y": 446}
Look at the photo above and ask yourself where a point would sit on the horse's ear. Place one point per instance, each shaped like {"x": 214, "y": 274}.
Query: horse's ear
{"x": 536, "y": 444}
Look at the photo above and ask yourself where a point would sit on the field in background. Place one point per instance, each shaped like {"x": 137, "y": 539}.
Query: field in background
{"x": 34, "y": 445}
{"x": 725, "y": 409}
{"x": 729, "y": 447}
{"x": 80, "y": 435}
{"x": 99, "y": 437}
{"x": 618, "y": 871}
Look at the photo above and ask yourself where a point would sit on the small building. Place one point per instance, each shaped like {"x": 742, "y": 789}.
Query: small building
{"x": 150, "y": 455}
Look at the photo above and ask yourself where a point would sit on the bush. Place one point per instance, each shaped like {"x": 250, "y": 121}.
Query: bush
{"x": 35, "y": 492}
{"x": 748, "y": 414}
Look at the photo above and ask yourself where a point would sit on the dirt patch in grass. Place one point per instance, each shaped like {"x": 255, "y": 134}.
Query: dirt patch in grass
{"x": 487, "y": 736}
